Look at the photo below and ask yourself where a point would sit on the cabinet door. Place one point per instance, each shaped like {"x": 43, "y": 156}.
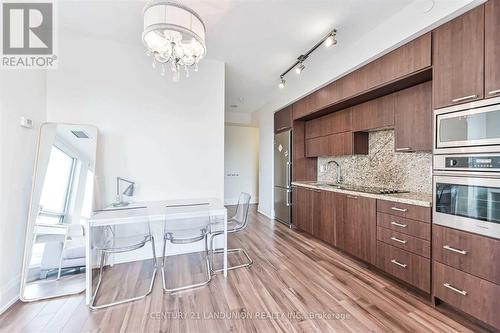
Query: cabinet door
{"x": 492, "y": 49}
{"x": 339, "y": 202}
{"x": 324, "y": 216}
{"x": 458, "y": 59}
{"x": 336, "y": 122}
{"x": 313, "y": 128}
{"x": 303, "y": 200}
{"x": 283, "y": 119}
{"x": 374, "y": 114}
{"x": 317, "y": 147}
{"x": 360, "y": 228}
{"x": 413, "y": 118}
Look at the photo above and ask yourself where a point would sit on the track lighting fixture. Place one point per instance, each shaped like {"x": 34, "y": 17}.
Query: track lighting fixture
{"x": 329, "y": 40}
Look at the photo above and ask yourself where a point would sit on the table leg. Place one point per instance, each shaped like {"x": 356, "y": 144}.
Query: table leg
{"x": 88, "y": 264}
{"x": 225, "y": 244}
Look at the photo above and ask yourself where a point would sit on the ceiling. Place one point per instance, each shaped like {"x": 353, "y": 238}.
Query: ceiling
{"x": 257, "y": 39}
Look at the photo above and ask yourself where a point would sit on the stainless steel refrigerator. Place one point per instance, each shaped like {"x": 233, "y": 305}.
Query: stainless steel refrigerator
{"x": 282, "y": 177}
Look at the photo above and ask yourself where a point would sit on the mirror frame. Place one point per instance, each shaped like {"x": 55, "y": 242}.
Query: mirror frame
{"x": 32, "y": 215}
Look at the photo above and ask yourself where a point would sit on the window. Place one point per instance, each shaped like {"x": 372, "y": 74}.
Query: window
{"x": 57, "y": 187}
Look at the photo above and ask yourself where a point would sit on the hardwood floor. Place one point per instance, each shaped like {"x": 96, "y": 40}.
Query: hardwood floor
{"x": 296, "y": 284}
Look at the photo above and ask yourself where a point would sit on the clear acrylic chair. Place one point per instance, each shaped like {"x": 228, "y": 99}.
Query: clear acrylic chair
{"x": 236, "y": 223}
{"x": 188, "y": 230}
{"x": 112, "y": 243}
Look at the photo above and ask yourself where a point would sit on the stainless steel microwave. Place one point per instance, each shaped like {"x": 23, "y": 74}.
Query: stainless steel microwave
{"x": 468, "y": 128}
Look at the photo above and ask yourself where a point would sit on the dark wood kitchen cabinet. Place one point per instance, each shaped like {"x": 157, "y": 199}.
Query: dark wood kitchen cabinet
{"x": 360, "y": 228}
{"x": 302, "y": 208}
{"x": 375, "y": 114}
{"x": 283, "y": 119}
{"x": 413, "y": 118}
{"x": 324, "y": 216}
{"x": 458, "y": 59}
{"x": 492, "y": 48}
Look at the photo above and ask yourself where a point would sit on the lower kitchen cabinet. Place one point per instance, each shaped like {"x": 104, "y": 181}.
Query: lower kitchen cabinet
{"x": 468, "y": 293}
{"x": 302, "y": 208}
{"x": 360, "y": 228}
{"x": 406, "y": 266}
{"x": 324, "y": 216}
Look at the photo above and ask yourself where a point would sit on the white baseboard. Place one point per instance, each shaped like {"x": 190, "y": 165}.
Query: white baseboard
{"x": 264, "y": 213}
{"x": 9, "y": 293}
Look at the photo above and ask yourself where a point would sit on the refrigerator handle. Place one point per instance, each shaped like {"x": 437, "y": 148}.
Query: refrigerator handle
{"x": 287, "y": 174}
{"x": 288, "y": 204}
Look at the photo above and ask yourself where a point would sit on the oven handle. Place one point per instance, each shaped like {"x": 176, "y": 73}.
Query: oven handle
{"x": 463, "y": 174}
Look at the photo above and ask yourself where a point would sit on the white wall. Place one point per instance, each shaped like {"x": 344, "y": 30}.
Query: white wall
{"x": 241, "y": 163}
{"x": 167, "y": 137}
{"x": 266, "y": 163}
{"x": 22, "y": 93}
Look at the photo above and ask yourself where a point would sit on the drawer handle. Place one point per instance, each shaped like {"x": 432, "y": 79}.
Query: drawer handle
{"x": 463, "y": 98}
{"x": 404, "y": 210}
{"x": 449, "y": 286}
{"x": 352, "y": 197}
{"x": 452, "y": 249}
{"x": 399, "y": 224}
{"x": 494, "y": 92}
{"x": 399, "y": 240}
{"x": 403, "y": 149}
{"x": 395, "y": 262}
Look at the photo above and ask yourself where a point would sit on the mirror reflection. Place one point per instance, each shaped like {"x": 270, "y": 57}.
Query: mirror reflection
{"x": 61, "y": 202}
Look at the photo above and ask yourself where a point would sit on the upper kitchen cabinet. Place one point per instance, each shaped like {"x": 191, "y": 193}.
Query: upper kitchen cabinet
{"x": 458, "y": 59}
{"x": 413, "y": 118}
{"x": 492, "y": 49}
{"x": 375, "y": 114}
{"x": 304, "y": 106}
{"x": 283, "y": 119}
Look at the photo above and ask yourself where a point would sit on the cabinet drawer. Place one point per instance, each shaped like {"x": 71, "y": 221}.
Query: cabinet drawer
{"x": 404, "y": 225}
{"x": 472, "y": 295}
{"x": 474, "y": 254}
{"x": 404, "y": 210}
{"x": 409, "y": 267}
{"x": 408, "y": 243}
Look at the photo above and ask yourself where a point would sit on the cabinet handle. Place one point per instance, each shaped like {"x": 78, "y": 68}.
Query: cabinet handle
{"x": 399, "y": 224}
{"x": 399, "y": 240}
{"x": 449, "y": 248}
{"x": 395, "y": 262}
{"x": 449, "y": 286}
{"x": 494, "y": 92}
{"x": 404, "y": 210}
{"x": 460, "y": 99}
{"x": 403, "y": 149}
{"x": 352, "y": 197}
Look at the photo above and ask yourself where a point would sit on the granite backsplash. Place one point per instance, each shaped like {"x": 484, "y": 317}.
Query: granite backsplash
{"x": 382, "y": 167}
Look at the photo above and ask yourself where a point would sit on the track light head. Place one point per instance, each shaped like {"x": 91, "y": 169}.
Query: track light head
{"x": 300, "y": 67}
{"x": 282, "y": 83}
{"x": 330, "y": 40}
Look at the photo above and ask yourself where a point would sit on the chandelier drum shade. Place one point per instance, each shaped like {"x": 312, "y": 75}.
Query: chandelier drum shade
{"x": 174, "y": 36}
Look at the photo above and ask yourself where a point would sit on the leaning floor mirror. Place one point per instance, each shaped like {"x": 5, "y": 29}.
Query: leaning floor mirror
{"x": 61, "y": 202}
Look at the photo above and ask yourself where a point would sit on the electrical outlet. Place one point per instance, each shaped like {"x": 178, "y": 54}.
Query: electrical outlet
{"x": 26, "y": 122}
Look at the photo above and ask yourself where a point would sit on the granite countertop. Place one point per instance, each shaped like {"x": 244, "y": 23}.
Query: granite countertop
{"x": 418, "y": 199}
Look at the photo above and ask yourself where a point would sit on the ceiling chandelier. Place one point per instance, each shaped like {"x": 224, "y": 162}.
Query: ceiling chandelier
{"x": 174, "y": 36}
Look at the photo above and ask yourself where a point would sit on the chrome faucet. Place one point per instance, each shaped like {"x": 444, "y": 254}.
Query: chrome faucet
{"x": 340, "y": 178}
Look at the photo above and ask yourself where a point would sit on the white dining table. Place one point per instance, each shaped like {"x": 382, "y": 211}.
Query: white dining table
{"x": 151, "y": 212}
